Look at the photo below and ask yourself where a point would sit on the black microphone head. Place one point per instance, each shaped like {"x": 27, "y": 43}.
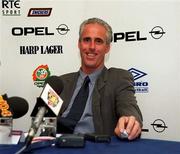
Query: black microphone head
{"x": 18, "y": 106}
{"x": 56, "y": 83}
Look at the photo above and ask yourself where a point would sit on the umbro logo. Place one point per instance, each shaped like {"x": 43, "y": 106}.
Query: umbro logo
{"x": 136, "y": 73}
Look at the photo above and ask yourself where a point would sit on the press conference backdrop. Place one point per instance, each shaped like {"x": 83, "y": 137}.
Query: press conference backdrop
{"x": 39, "y": 38}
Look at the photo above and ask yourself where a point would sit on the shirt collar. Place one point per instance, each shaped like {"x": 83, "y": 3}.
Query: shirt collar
{"x": 93, "y": 76}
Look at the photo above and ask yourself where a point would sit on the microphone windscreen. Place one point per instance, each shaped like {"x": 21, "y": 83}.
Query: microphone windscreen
{"x": 18, "y": 106}
{"x": 56, "y": 83}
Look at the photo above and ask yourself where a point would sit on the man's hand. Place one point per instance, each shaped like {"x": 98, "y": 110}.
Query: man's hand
{"x": 130, "y": 124}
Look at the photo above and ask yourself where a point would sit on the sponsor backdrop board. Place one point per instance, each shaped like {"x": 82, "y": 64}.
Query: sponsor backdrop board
{"x": 39, "y": 39}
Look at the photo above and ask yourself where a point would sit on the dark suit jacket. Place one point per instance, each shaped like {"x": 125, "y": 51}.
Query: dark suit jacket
{"x": 113, "y": 97}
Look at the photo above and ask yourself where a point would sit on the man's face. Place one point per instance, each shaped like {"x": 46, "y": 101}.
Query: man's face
{"x": 93, "y": 47}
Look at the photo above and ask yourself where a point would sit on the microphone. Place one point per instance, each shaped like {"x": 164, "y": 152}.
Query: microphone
{"x": 10, "y": 108}
{"x": 19, "y": 106}
{"x": 49, "y": 100}
{"x": 14, "y": 107}
{"x": 4, "y": 107}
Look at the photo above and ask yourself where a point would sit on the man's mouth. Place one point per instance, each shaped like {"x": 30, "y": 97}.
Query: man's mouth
{"x": 91, "y": 55}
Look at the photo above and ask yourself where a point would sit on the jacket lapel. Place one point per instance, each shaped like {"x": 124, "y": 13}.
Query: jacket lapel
{"x": 70, "y": 84}
{"x": 96, "y": 101}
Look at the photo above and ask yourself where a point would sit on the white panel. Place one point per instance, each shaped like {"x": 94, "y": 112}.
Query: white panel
{"x": 159, "y": 58}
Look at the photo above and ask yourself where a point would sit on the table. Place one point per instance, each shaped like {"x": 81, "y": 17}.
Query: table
{"x": 116, "y": 146}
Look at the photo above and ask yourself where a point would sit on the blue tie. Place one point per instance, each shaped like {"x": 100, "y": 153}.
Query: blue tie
{"x": 68, "y": 123}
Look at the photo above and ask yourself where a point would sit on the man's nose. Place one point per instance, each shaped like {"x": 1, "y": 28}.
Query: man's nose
{"x": 92, "y": 45}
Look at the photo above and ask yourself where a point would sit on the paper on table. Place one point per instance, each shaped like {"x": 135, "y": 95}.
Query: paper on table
{"x": 8, "y": 137}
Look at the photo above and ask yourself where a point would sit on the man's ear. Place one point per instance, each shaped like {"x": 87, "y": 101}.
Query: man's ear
{"x": 108, "y": 48}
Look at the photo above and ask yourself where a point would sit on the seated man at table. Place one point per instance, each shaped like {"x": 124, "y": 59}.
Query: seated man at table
{"x": 97, "y": 99}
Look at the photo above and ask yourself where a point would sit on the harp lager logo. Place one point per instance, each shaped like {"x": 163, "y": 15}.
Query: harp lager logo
{"x": 40, "y": 74}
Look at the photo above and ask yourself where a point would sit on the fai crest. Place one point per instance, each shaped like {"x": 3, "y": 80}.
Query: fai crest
{"x": 40, "y": 74}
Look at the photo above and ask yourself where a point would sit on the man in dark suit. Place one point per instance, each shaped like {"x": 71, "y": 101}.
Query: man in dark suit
{"x": 111, "y": 106}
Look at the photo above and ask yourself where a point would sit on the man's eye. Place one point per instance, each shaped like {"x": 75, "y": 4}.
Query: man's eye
{"x": 86, "y": 39}
{"x": 99, "y": 41}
